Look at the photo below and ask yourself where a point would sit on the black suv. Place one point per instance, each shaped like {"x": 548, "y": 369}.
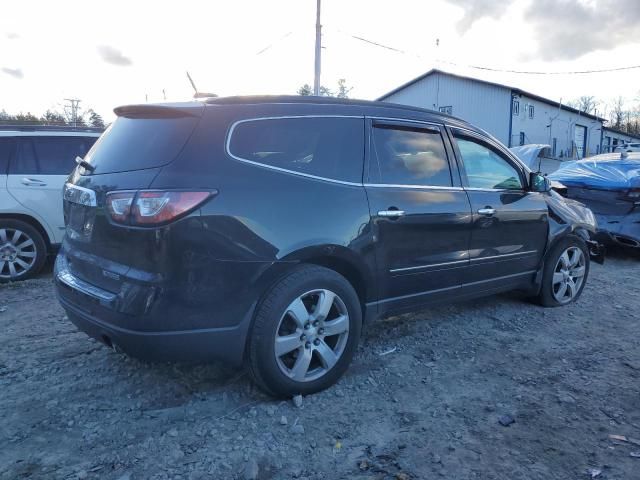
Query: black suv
{"x": 269, "y": 230}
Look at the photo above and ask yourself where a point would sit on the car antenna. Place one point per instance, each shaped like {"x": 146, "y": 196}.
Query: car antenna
{"x": 196, "y": 93}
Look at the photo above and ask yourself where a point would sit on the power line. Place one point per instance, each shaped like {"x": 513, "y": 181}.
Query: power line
{"x": 276, "y": 41}
{"x": 492, "y": 69}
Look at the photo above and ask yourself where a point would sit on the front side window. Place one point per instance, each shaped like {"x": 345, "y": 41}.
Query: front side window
{"x": 408, "y": 156}
{"x": 485, "y": 168}
{"x": 327, "y": 147}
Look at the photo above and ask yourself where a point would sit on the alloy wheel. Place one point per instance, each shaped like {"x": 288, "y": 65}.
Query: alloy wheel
{"x": 311, "y": 335}
{"x": 568, "y": 275}
{"x": 17, "y": 253}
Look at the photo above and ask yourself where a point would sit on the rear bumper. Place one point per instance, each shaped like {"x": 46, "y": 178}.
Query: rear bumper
{"x": 147, "y": 323}
{"x": 225, "y": 344}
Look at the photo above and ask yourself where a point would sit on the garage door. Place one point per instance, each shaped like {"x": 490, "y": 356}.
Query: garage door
{"x": 580, "y": 138}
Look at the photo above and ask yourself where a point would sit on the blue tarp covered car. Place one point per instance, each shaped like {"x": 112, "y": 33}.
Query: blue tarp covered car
{"x": 609, "y": 184}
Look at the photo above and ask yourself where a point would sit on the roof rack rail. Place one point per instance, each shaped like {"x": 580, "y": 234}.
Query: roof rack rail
{"x": 53, "y": 128}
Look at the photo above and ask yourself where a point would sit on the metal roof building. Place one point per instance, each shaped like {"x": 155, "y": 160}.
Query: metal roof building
{"x": 514, "y": 116}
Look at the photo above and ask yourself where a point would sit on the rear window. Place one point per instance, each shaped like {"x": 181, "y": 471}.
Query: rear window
{"x": 44, "y": 155}
{"x": 327, "y": 147}
{"x": 139, "y": 143}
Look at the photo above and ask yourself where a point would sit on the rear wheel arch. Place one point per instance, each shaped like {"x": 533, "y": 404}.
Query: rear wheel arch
{"x": 268, "y": 313}
{"x": 348, "y": 268}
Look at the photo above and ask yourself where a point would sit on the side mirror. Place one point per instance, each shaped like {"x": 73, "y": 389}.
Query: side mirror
{"x": 539, "y": 183}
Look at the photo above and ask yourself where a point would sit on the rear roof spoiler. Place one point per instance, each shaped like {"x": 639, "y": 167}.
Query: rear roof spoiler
{"x": 164, "y": 110}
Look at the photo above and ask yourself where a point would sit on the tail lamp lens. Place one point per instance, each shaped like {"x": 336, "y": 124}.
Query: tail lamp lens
{"x": 119, "y": 205}
{"x": 152, "y": 207}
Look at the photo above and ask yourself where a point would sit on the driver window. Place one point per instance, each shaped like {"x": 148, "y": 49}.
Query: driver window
{"x": 486, "y": 168}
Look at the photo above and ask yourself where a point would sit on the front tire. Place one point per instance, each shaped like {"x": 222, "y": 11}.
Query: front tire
{"x": 305, "y": 332}
{"x": 22, "y": 250}
{"x": 565, "y": 272}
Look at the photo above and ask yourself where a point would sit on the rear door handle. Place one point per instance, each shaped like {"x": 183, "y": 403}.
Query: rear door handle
{"x": 33, "y": 182}
{"x": 487, "y": 211}
{"x": 391, "y": 213}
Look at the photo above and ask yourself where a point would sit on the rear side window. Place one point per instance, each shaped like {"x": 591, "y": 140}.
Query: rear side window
{"x": 7, "y": 147}
{"x": 49, "y": 155}
{"x": 325, "y": 147}
{"x": 139, "y": 143}
{"x": 411, "y": 156}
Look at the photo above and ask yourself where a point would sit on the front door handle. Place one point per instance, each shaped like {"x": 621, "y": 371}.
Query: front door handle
{"x": 33, "y": 182}
{"x": 487, "y": 211}
{"x": 391, "y": 213}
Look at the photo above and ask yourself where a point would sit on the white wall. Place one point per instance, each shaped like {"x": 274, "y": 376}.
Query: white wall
{"x": 562, "y": 127}
{"x": 485, "y": 106}
{"x": 617, "y": 138}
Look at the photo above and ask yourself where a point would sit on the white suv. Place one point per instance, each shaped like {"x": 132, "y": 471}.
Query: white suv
{"x": 628, "y": 147}
{"x": 34, "y": 164}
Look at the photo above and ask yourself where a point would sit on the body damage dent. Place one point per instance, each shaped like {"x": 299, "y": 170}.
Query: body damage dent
{"x": 567, "y": 217}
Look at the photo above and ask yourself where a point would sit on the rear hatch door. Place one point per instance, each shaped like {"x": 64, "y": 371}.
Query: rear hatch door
{"x": 129, "y": 155}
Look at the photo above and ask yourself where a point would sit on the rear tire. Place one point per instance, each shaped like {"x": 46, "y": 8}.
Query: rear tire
{"x": 22, "y": 250}
{"x": 565, "y": 272}
{"x": 305, "y": 333}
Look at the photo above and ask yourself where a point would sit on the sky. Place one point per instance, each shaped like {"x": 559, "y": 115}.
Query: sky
{"x": 120, "y": 52}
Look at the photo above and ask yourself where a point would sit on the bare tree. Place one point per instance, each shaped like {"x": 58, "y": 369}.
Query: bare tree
{"x": 616, "y": 117}
{"x": 584, "y": 103}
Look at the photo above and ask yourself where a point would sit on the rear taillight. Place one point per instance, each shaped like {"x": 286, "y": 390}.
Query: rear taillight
{"x": 153, "y": 207}
{"x": 119, "y": 205}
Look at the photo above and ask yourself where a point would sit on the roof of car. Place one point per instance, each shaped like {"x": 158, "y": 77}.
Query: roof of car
{"x": 311, "y": 99}
{"x": 358, "y": 107}
{"x": 52, "y": 130}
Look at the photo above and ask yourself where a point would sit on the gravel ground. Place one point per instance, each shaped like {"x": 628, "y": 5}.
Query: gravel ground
{"x": 491, "y": 389}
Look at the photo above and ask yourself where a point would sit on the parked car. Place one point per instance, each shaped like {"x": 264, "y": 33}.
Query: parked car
{"x": 628, "y": 147}
{"x": 34, "y": 164}
{"x": 609, "y": 184}
{"x": 270, "y": 230}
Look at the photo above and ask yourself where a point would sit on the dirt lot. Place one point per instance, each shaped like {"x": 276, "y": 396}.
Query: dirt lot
{"x": 568, "y": 377}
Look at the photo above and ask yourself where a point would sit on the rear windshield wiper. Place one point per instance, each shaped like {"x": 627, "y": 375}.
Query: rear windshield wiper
{"x": 84, "y": 164}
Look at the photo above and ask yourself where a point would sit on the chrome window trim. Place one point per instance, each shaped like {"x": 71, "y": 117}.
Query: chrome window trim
{"x": 88, "y": 191}
{"x": 412, "y": 187}
{"x": 285, "y": 170}
{"x": 477, "y": 189}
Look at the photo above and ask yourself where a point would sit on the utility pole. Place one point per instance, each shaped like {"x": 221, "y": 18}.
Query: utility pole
{"x": 316, "y": 78}
{"x": 72, "y": 108}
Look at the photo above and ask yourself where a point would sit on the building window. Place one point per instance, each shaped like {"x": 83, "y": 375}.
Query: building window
{"x": 521, "y": 138}
{"x": 516, "y": 107}
{"x": 447, "y": 109}
{"x": 531, "y": 111}
{"x": 554, "y": 146}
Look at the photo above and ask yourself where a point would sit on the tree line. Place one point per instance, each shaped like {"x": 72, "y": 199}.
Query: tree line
{"x": 619, "y": 114}
{"x": 90, "y": 118}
